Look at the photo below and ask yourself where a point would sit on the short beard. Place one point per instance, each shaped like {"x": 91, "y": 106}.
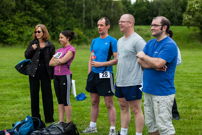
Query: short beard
{"x": 157, "y": 34}
{"x": 102, "y": 33}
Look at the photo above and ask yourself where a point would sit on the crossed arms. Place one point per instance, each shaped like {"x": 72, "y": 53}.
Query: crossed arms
{"x": 54, "y": 61}
{"x": 149, "y": 62}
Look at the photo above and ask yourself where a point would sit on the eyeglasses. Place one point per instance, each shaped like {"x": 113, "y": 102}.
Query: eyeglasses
{"x": 155, "y": 25}
{"x": 123, "y": 21}
{"x": 37, "y": 31}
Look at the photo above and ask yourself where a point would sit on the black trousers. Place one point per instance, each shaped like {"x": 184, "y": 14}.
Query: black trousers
{"x": 41, "y": 78}
{"x": 175, "y": 113}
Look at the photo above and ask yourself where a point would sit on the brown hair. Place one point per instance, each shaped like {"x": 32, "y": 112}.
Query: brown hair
{"x": 107, "y": 22}
{"x": 45, "y": 32}
{"x": 164, "y": 21}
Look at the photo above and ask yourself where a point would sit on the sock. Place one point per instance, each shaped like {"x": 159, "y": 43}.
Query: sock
{"x": 124, "y": 131}
{"x": 112, "y": 128}
{"x": 138, "y": 133}
{"x": 92, "y": 124}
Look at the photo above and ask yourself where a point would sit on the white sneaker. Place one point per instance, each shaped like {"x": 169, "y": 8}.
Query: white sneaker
{"x": 112, "y": 132}
{"x": 89, "y": 130}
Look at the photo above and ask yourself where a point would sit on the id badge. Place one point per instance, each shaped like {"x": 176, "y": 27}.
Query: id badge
{"x": 105, "y": 74}
{"x": 57, "y": 55}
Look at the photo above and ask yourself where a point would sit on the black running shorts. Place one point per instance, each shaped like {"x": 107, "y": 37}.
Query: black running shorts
{"x": 102, "y": 86}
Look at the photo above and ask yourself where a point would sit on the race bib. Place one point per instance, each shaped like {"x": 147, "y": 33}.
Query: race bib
{"x": 105, "y": 74}
{"x": 57, "y": 55}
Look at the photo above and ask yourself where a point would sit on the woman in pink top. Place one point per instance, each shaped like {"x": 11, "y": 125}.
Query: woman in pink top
{"x": 61, "y": 62}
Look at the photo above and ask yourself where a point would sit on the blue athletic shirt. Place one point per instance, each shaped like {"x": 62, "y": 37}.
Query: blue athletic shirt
{"x": 101, "y": 49}
{"x": 161, "y": 83}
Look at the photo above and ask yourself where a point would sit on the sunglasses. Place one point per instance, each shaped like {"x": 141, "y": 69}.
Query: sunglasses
{"x": 37, "y": 31}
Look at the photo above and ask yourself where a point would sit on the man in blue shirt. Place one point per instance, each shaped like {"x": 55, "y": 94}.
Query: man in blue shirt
{"x": 100, "y": 80}
{"x": 159, "y": 60}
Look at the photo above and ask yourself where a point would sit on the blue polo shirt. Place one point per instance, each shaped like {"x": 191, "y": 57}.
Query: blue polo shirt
{"x": 160, "y": 83}
{"x": 101, "y": 49}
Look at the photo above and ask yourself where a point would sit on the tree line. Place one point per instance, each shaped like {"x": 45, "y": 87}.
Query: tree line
{"x": 19, "y": 17}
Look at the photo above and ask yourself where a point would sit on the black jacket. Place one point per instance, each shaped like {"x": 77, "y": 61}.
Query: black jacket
{"x": 32, "y": 54}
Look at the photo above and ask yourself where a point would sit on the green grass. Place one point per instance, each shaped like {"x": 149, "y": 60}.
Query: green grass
{"x": 15, "y": 93}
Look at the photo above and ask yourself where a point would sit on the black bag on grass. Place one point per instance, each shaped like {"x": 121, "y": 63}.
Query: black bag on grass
{"x": 58, "y": 129}
{"x": 71, "y": 129}
{"x": 53, "y": 129}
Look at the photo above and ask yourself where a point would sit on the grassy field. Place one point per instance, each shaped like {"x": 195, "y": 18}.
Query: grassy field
{"x": 15, "y": 95}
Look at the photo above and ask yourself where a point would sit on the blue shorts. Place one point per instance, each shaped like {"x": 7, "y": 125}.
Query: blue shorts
{"x": 129, "y": 93}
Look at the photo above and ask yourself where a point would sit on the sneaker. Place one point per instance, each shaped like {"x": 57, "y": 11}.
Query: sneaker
{"x": 112, "y": 132}
{"x": 89, "y": 130}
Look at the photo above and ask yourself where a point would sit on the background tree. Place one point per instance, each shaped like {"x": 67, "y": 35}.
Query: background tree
{"x": 193, "y": 14}
{"x": 127, "y": 6}
{"x": 141, "y": 12}
{"x": 18, "y": 17}
{"x": 145, "y": 10}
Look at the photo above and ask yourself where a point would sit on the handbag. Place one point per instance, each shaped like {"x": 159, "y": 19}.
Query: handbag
{"x": 21, "y": 67}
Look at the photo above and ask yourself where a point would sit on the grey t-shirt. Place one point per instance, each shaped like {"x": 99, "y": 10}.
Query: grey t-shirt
{"x": 129, "y": 71}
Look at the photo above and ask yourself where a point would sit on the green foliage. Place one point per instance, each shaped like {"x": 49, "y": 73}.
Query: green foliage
{"x": 81, "y": 37}
{"x": 92, "y": 33}
{"x": 62, "y": 25}
{"x": 6, "y": 8}
{"x": 140, "y": 8}
{"x": 115, "y": 32}
{"x": 144, "y": 31}
{"x": 14, "y": 27}
{"x": 128, "y": 8}
{"x": 187, "y": 38}
{"x": 193, "y": 16}
{"x": 19, "y": 17}
{"x": 145, "y": 10}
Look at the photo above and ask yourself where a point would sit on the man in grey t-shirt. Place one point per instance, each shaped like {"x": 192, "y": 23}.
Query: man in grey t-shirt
{"x": 129, "y": 74}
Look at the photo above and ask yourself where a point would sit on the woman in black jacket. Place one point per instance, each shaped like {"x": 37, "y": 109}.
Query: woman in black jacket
{"x": 40, "y": 51}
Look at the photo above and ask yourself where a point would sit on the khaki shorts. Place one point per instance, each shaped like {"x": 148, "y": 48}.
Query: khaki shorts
{"x": 158, "y": 113}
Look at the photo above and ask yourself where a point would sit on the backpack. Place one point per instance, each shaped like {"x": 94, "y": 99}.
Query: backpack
{"x": 28, "y": 125}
